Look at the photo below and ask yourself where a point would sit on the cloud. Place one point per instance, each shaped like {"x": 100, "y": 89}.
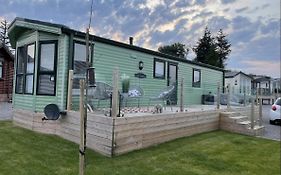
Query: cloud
{"x": 265, "y": 6}
{"x": 262, "y": 67}
{"x": 151, "y": 5}
{"x": 273, "y": 26}
{"x": 227, "y": 1}
{"x": 241, "y": 9}
{"x": 200, "y": 2}
{"x": 182, "y": 3}
{"x": 218, "y": 22}
{"x": 203, "y": 14}
{"x": 253, "y": 27}
{"x": 240, "y": 22}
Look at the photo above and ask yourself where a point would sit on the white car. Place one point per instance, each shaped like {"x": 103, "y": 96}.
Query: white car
{"x": 275, "y": 112}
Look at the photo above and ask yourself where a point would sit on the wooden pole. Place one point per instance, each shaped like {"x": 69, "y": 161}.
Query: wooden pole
{"x": 218, "y": 96}
{"x": 69, "y": 93}
{"x": 181, "y": 95}
{"x": 115, "y": 106}
{"x": 115, "y": 100}
{"x": 252, "y": 113}
{"x": 82, "y": 130}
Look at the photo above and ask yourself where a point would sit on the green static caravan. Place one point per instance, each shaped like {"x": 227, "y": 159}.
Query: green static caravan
{"x": 45, "y": 52}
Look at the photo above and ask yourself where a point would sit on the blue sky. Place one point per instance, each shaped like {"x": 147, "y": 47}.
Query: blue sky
{"x": 253, "y": 26}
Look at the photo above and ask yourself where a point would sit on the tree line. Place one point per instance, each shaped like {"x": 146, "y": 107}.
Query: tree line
{"x": 209, "y": 49}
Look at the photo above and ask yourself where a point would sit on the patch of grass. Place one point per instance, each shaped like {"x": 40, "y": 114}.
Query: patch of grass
{"x": 23, "y": 152}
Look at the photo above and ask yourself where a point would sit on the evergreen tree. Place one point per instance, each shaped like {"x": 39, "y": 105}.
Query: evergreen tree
{"x": 4, "y": 35}
{"x": 223, "y": 48}
{"x": 205, "y": 49}
{"x": 176, "y": 49}
{"x": 212, "y": 51}
{"x": 3, "y": 32}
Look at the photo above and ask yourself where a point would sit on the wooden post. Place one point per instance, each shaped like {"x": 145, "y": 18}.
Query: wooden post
{"x": 115, "y": 106}
{"x": 252, "y": 114}
{"x": 82, "y": 129}
{"x": 69, "y": 90}
{"x": 228, "y": 96}
{"x": 181, "y": 95}
{"x": 115, "y": 100}
{"x": 218, "y": 96}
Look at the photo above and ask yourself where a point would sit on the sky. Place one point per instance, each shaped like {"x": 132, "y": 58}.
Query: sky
{"x": 252, "y": 26}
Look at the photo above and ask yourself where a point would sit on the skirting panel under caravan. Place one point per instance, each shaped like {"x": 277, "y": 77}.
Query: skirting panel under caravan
{"x": 117, "y": 136}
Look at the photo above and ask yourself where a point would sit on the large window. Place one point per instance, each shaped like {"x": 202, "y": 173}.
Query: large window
{"x": 79, "y": 63}
{"x": 1, "y": 69}
{"x": 196, "y": 80}
{"x": 159, "y": 69}
{"x": 46, "y": 83}
{"x": 25, "y": 69}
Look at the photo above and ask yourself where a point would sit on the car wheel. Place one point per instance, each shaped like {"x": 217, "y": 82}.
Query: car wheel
{"x": 271, "y": 122}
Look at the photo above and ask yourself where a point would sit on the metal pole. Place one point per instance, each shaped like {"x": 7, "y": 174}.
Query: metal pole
{"x": 82, "y": 129}
{"x": 260, "y": 110}
{"x": 181, "y": 95}
{"x": 257, "y": 98}
{"x": 228, "y": 96}
{"x": 218, "y": 96}
{"x": 244, "y": 98}
{"x": 70, "y": 84}
{"x": 252, "y": 113}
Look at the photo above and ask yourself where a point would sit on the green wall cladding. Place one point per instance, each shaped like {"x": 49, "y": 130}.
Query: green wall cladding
{"x": 106, "y": 58}
{"x": 37, "y": 102}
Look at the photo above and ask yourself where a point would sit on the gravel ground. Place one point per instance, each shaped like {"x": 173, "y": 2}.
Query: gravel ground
{"x": 6, "y": 111}
{"x": 271, "y": 131}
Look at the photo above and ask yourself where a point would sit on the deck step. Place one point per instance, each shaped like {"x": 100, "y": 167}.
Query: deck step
{"x": 239, "y": 117}
{"x": 247, "y": 122}
{"x": 257, "y": 127}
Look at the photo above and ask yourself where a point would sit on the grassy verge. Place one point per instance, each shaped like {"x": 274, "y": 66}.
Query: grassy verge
{"x": 23, "y": 152}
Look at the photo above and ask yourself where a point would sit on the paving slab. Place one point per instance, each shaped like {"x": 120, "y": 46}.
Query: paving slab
{"x": 6, "y": 111}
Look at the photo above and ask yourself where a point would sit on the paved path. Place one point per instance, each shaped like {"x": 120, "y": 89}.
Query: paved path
{"x": 5, "y": 111}
{"x": 271, "y": 131}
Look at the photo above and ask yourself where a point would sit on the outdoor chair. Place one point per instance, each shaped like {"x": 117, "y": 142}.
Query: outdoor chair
{"x": 165, "y": 94}
{"x": 135, "y": 92}
{"x": 102, "y": 91}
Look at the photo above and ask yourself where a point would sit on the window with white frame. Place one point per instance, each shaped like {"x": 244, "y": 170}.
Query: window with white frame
{"x": 25, "y": 69}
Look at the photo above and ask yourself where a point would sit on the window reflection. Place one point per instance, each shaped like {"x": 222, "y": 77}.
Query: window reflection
{"x": 47, "y": 57}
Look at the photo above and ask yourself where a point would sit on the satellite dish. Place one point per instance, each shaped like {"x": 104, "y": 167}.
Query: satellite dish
{"x": 52, "y": 112}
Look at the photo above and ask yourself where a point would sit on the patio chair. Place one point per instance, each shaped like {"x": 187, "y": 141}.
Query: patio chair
{"x": 102, "y": 91}
{"x": 165, "y": 94}
{"x": 135, "y": 92}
